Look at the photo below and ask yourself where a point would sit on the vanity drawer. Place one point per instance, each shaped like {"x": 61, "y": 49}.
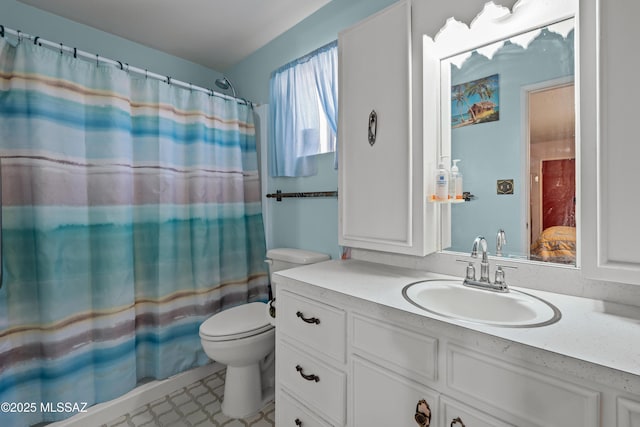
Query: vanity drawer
{"x": 291, "y": 413}
{"x": 517, "y": 394}
{"x": 405, "y": 352}
{"x": 317, "y": 325}
{"x": 451, "y": 411}
{"x": 315, "y": 383}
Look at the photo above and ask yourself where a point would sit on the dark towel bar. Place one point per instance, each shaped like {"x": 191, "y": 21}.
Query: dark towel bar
{"x": 279, "y": 195}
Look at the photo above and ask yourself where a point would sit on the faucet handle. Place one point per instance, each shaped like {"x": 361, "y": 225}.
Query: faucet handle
{"x": 471, "y": 269}
{"x": 500, "y": 278}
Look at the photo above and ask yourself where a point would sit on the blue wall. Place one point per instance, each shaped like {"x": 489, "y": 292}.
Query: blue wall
{"x": 494, "y": 150}
{"x": 302, "y": 223}
{"x": 36, "y": 22}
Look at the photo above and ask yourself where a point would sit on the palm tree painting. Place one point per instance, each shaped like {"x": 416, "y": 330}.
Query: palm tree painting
{"x": 475, "y": 102}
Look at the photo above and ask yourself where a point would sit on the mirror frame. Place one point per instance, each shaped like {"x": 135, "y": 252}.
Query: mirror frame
{"x": 493, "y": 24}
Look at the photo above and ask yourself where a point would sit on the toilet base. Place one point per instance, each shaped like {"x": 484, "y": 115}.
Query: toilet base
{"x": 242, "y": 391}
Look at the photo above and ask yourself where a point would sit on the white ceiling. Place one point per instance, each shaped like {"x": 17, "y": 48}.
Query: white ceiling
{"x": 213, "y": 33}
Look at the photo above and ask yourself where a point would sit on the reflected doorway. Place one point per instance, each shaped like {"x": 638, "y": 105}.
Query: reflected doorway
{"x": 552, "y": 172}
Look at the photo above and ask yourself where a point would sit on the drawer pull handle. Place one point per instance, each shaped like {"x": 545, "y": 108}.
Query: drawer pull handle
{"x": 457, "y": 420}
{"x": 298, "y": 422}
{"x": 308, "y": 319}
{"x": 309, "y": 377}
{"x": 423, "y": 413}
{"x": 272, "y": 309}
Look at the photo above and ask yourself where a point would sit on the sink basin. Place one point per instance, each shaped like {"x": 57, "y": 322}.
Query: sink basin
{"x": 450, "y": 298}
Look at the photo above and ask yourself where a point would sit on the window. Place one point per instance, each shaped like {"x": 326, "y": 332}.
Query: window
{"x": 303, "y": 112}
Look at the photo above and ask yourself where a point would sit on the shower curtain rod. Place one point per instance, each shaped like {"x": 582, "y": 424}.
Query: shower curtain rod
{"x": 123, "y": 66}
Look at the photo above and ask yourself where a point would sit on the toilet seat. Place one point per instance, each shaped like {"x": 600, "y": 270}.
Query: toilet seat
{"x": 237, "y": 322}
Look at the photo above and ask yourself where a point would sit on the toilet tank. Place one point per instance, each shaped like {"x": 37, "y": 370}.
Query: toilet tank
{"x": 284, "y": 258}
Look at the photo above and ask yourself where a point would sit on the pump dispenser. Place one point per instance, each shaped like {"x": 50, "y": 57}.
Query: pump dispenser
{"x": 455, "y": 185}
{"x": 442, "y": 181}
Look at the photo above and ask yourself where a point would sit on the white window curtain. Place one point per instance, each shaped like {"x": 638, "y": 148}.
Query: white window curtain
{"x": 303, "y": 102}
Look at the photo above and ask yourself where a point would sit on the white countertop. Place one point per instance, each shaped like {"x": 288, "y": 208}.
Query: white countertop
{"x": 594, "y": 331}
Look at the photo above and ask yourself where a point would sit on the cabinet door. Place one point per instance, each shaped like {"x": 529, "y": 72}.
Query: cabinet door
{"x": 628, "y": 413}
{"x": 382, "y": 398}
{"x": 378, "y": 207}
{"x": 609, "y": 140}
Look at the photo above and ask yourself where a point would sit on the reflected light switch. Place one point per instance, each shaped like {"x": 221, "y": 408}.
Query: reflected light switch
{"x": 505, "y": 186}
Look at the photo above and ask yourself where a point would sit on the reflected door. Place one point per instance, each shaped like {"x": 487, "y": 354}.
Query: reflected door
{"x": 558, "y": 193}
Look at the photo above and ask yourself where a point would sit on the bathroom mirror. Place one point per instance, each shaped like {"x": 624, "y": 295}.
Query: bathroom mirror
{"x": 506, "y": 107}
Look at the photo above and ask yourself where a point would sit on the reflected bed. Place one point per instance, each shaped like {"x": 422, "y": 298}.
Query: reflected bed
{"x": 555, "y": 244}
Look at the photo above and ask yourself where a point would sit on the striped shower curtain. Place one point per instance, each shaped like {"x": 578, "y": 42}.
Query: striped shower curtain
{"x": 131, "y": 212}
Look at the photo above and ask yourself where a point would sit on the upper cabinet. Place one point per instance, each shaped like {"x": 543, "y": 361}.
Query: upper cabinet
{"x": 381, "y": 155}
{"x": 610, "y": 60}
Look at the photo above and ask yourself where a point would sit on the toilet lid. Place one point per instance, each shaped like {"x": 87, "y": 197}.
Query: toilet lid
{"x": 237, "y": 322}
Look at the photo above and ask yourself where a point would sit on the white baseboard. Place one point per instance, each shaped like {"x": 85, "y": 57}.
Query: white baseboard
{"x": 139, "y": 396}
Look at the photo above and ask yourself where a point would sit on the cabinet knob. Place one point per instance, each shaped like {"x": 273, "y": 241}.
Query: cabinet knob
{"x": 373, "y": 127}
{"x": 457, "y": 420}
{"x": 423, "y": 413}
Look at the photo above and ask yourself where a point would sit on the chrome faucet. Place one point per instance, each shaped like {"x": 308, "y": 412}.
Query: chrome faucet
{"x": 501, "y": 240}
{"x": 500, "y": 285}
{"x": 484, "y": 264}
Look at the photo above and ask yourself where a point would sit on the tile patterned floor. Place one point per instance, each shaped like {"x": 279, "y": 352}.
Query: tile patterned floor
{"x": 197, "y": 405}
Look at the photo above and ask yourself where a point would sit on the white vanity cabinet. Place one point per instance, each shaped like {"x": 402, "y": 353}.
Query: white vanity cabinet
{"x": 375, "y": 363}
{"x": 609, "y": 144}
{"x": 381, "y": 166}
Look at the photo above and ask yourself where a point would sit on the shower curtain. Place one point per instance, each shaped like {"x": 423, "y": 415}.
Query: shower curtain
{"x": 131, "y": 212}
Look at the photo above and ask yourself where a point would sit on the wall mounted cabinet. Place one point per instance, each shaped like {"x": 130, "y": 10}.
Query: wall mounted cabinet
{"x": 381, "y": 165}
{"x": 610, "y": 150}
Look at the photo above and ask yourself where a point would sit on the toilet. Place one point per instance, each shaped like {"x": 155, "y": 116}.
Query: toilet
{"x": 243, "y": 339}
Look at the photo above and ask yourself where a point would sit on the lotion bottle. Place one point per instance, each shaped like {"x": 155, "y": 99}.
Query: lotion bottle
{"x": 442, "y": 182}
{"x": 455, "y": 182}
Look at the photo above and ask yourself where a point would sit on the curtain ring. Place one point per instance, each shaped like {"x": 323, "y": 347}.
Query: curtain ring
{"x": 35, "y": 41}
{"x": 146, "y": 74}
{"x": 97, "y": 60}
{"x": 75, "y": 52}
{"x": 1, "y": 30}
{"x": 121, "y": 67}
{"x": 168, "y": 80}
{"x": 19, "y": 36}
